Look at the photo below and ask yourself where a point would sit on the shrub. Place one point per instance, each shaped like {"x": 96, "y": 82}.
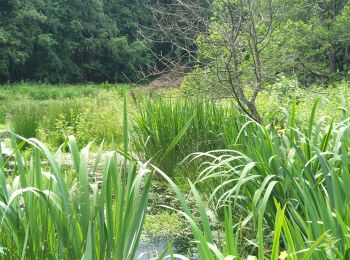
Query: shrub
{"x": 60, "y": 119}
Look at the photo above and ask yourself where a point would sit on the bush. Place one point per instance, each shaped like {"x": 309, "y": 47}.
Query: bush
{"x": 60, "y": 119}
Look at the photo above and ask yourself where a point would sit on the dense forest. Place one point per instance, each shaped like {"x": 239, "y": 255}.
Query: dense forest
{"x": 71, "y": 41}
{"x": 110, "y": 41}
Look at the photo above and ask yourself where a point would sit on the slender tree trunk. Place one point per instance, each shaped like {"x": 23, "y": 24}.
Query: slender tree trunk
{"x": 247, "y": 106}
{"x": 332, "y": 62}
{"x": 257, "y": 64}
{"x": 8, "y": 70}
{"x": 116, "y": 75}
{"x": 255, "y": 112}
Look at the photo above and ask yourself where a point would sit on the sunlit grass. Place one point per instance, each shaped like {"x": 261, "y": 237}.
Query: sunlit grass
{"x": 52, "y": 213}
{"x": 280, "y": 191}
{"x": 306, "y": 171}
{"x": 166, "y": 131}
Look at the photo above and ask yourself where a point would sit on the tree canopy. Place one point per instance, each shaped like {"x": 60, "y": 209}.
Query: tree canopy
{"x": 71, "y": 41}
{"x": 100, "y": 40}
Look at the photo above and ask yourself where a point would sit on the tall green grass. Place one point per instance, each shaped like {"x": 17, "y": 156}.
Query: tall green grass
{"x": 50, "y": 112}
{"x": 85, "y": 118}
{"x": 28, "y": 117}
{"x": 166, "y": 131}
{"x": 42, "y": 91}
{"x": 25, "y": 119}
{"x": 228, "y": 247}
{"x": 52, "y": 213}
{"x": 291, "y": 181}
{"x": 39, "y": 91}
{"x": 307, "y": 170}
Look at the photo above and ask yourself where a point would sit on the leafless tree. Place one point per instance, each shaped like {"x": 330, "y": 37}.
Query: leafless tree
{"x": 235, "y": 34}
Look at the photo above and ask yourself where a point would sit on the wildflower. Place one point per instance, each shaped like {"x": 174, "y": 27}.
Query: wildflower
{"x": 283, "y": 255}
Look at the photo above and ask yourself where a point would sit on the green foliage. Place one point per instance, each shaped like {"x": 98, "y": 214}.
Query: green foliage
{"x": 2, "y": 114}
{"x": 166, "y": 131}
{"x": 59, "y": 120}
{"x": 65, "y": 214}
{"x": 165, "y": 224}
{"x": 88, "y": 112}
{"x": 100, "y": 120}
{"x": 67, "y": 41}
{"x": 292, "y": 180}
{"x": 48, "y": 91}
{"x": 87, "y": 223}
{"x": 228, "y": 248}
{"x": 29, "y": 118}
{"x": 305, "y": 169}
{"x": 309, "y": 46}
{"x": 25, "y": 119}
{"x": 333, "y": 102}
{"x": 128, "y": 57}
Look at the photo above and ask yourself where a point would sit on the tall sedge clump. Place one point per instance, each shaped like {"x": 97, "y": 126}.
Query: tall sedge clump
{"x": 52, "y": 213}
{"x": 166, "y": 131}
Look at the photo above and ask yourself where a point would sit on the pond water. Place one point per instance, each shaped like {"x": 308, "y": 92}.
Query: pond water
{"x": 152, "y": 248}
{"x": 6, "y": 151}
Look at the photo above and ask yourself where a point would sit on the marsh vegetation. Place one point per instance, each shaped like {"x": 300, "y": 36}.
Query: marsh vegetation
{"x": 175, "y": 129}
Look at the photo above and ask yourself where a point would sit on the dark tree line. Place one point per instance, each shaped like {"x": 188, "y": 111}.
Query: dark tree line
{"x": 110, "y": 40}
{"x": 72, "y": 40}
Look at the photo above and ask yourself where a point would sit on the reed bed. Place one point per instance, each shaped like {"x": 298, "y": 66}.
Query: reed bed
{"x": 166, "y": 131}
